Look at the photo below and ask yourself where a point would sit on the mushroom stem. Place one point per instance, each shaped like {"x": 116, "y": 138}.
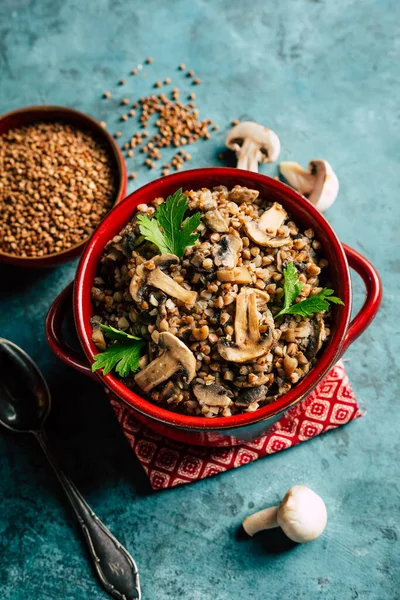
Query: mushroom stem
{"x": 299, "y": 178}
{"x": 168, "y": 285}
{"x": 254, "y": 332}
{"x": 263, "y": 519}
{"x": 247, "y": 156}
{"x": 249, "y": 343}
{"x": 156, "y": 372}
{"x": 175, "y": 356}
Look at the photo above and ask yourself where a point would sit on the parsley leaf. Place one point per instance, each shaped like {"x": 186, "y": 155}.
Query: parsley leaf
{"x": 291, "y": 287}
{"x": 123, "y": 357}
{"x": 167, "y": 230}
{"x": 117, "y": 334}
{"x": 307, "y": 307}
{"x": 151, "y": 230}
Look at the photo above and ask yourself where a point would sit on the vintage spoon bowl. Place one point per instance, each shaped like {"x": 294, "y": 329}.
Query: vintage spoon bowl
{"x": 25, "y": 399}
{"x": 25, "y": 403}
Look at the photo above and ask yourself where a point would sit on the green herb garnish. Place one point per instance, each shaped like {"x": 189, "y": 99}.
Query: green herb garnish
{"x": 167, "y": 229}
{"x": 117, "y": 334}
{"x": 124, "y": 357}
{"x": 307, "y": 307}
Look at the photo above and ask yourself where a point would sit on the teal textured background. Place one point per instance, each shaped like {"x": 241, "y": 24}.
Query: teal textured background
{"x": 325, "y": 76}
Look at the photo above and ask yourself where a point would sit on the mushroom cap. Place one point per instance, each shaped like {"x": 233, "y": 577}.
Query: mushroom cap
{"x": 165, "y": 260}
{"x": 319, "y": 183}
{"x": 226, "y": 253}
{"x": 212, "y": 395}
{"x": 302, "y": 514}
{"x": 254, "y": 394}
{"x": 326, "y": 186}
{"x": 265, "y": 139}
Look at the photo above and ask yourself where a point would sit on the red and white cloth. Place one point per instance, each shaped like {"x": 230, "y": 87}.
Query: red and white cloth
{"x": 168, "y": 463}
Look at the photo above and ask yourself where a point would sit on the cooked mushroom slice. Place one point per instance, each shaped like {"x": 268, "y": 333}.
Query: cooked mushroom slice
{"x": 249, "y": 343}
{"x": 165, "y": 283}
{"x": 263, "y": 231}
{"x": 251, "y": 395}
{"x": 319, "y": 183}
{"x": 237, "y": 275}
{"x": 137, "y": 283}
{"x": 317, "y": 337}
{"x": 175, "y": 357}
{"x": 226, "y": 253}
{"x": 145, "y": 276}
{"x": 262, "y": 299}
{"x": 253, "y": 144}
{"x": 164, "y": 260}
{"x": 241, "y": 194}
{"x": 279, "y": 262}
{"x": 216, "y": 221}
{"x": 304, "y": 331}
{"x": 212, "y": 395}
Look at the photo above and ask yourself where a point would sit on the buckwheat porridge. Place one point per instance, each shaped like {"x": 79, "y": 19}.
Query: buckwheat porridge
{"x": 200, "y": 333}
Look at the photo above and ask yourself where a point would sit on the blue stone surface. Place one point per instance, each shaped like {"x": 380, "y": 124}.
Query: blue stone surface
{"x": 325, "y": 76}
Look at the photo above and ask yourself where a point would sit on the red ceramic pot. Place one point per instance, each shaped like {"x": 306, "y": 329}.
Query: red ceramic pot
{"x": 33, "y": 114}
{"x": 244, "y": 427}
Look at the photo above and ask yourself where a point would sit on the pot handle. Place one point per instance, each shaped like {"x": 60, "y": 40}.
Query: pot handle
{"x": 373, "y": 286}
{"x": 55, "y": 338}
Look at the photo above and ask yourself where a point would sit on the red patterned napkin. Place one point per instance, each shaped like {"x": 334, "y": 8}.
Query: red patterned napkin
{"x": 168, "y": 463}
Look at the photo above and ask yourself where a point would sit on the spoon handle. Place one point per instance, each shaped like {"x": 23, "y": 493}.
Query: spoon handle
{"x": 115, "y": 567}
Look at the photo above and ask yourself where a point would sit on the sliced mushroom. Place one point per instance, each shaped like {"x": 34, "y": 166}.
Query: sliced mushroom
{"x": 263, "y": 231}
{"x": 251, "y": 395}
{"x": 213, "y": 395}
{"x": 241, "y": 194}
{"x": 164, "y": 260}
{"x": 175, "y": 356}
{"x": 317, "y": 337}
{"x": 216, "y": 221}
{"x": 226, "y": 253}
{"x": 236, "y": 275}
{"x": 155, "y": 277}
{"x": 319, "y": 183}
{"x": 253, "y": 144}
{"x": 304, "y": 331}
{"x": 249, "y": 343}
{"x": 262, "y": 299}
{"x": 279, "y": 262}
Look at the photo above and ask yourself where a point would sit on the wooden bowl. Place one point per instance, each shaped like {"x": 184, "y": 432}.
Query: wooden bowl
{"x": 33, "y": 114}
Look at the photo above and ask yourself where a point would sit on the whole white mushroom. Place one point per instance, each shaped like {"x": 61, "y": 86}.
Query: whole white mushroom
{"x": 302, "y": 516}
{"x": 318, "y": 183}
{"x": 253, "y": 144}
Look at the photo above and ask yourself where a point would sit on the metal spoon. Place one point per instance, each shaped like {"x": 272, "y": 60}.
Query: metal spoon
{"x": 24, "y": 406}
